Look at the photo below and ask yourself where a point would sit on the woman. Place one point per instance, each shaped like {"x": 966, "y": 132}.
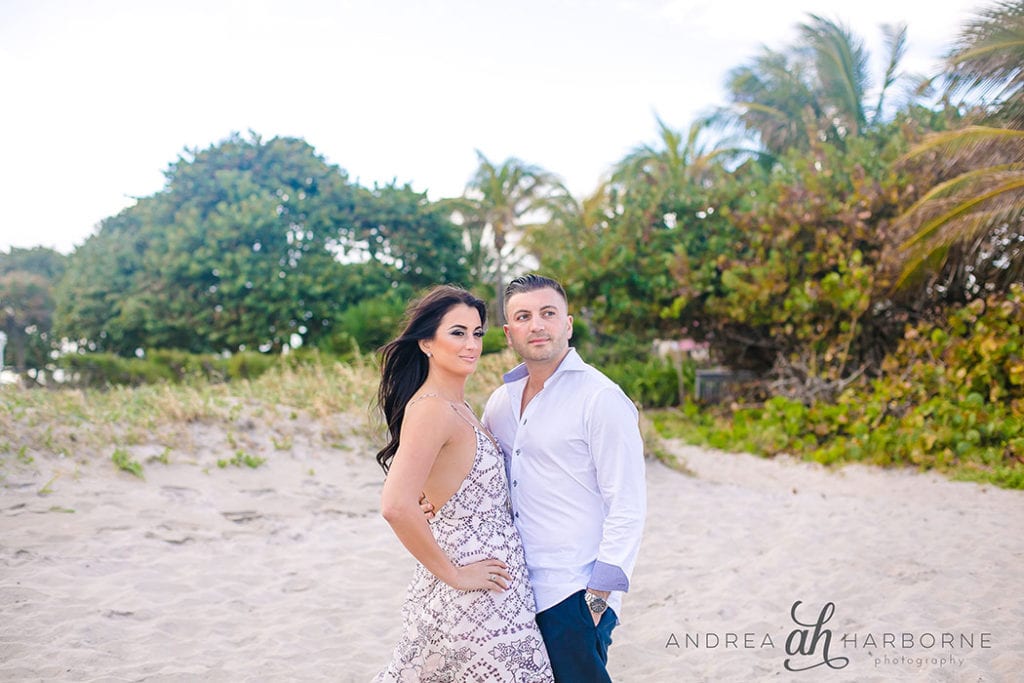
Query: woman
{"x": 469, "y": 612}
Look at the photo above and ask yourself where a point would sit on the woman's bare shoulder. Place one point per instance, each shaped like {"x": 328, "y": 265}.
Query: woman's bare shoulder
{"x": 429, "y": 409}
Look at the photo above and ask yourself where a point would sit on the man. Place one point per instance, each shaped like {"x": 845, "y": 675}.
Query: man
{"x": 575, "y": 465}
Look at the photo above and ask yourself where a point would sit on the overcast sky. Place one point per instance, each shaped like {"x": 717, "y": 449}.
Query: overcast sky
{"x": 100, "y": 96}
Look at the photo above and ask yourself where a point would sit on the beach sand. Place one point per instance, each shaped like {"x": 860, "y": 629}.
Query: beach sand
{"x": 286, "y": 572}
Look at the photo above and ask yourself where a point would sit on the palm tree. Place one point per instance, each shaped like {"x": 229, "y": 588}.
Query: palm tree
{"x": 499, "y": 199}
{"x": 817, "y": 89}
{"x": 772, "y": 100}
{"x": 839, "y": 62}
{"x": 974, "y": 221}
{"x": 651, "y": 179}
{"x": 676, "y": 160}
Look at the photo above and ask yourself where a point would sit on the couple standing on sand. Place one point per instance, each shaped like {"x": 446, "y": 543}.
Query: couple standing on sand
{"x": 534, "y": 513}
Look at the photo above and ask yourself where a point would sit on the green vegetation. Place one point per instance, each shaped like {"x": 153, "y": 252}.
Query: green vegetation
{"x": 951, "y": 399}
{"x": 499, "y": 200}
{"x": 124, "y": 462}
{"x": 165, "y": 456}
{"x": 238, "y": 252}
{"x": 241, "y": 458}
{"x": 328, "y": 393}
{"x": 27, "y": 281}
{"x": 651, "y": 382}
{"x": 859, "y": 256}
{"x": 47, "y": 488}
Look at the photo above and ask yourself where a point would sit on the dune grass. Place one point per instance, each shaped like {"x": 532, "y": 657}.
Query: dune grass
{"x": 67, "y": 422}
{"x": 132, "y": 428}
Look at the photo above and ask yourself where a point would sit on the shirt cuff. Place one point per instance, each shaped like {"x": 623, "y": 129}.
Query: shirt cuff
{"x": 608, "y": 577}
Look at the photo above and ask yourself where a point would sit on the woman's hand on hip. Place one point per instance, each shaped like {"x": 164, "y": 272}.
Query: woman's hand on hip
{"x": 484, "y": 575}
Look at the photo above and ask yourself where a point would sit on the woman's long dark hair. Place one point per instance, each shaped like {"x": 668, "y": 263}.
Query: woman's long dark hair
{"x": 403, "y": 367}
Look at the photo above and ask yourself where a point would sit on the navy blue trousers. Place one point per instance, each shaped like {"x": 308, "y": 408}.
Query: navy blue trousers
{"x": 578, "y": 650}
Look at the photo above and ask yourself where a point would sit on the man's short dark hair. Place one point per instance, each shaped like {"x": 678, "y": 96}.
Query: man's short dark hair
{"x": 532, "y": 282}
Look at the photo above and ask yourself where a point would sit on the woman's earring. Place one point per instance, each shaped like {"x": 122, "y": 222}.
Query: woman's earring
{"x": 429, "y": 355}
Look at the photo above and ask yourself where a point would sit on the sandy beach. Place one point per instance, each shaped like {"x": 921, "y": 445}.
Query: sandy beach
{"x": 286, "y": 571}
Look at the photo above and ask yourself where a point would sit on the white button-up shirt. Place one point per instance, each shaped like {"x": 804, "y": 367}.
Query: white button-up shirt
{"x": 575, "y": 463}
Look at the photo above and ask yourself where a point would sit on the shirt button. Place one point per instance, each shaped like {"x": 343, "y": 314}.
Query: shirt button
{"x": 524, "y": 420}
{"x": 515, "y": 483}
{"x": 516, "y": 515}
{"x": 518, "y": 451}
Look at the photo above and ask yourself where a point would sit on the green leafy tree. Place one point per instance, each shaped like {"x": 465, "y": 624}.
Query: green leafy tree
{"x": 412, "y": 237}
{"x": 252, "y": 244}
{"x": 27, "y": 281}
{"x": 231, "y": 254}
{"x": 100, "y": 304}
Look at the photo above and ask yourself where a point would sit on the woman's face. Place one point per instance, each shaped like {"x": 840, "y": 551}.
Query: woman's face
{"x": 458, "y": 341}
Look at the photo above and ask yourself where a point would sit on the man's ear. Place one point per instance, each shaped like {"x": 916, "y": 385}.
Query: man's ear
{"x": 569, "y": 317}
{"x": 508, "y": 338}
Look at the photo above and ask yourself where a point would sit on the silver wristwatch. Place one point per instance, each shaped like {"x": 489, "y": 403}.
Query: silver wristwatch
{"x": 596, "y": 603}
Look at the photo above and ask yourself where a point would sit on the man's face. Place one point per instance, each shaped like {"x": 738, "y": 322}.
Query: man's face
{"x": 539, "y": 325}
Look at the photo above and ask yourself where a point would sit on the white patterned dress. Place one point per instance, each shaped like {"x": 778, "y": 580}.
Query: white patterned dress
{"x": 453, "y": 636}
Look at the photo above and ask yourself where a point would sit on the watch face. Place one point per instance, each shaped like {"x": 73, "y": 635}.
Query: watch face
{"x": 597, "y": 605}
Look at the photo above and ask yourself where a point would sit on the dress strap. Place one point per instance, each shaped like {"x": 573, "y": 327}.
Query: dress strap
{"x": 420, "y": 398}
{"x": 464, "y": 418}
{"x": 477, "y": 427}
{"x": 451, "y": 405}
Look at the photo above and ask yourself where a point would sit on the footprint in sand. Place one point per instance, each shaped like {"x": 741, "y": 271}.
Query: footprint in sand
{"x": 242, "y": 516}
{"x": 179, "y": 493}
{"x": 170, "y": 535}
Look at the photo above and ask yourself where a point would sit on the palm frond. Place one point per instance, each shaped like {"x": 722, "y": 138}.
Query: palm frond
{"x": 986, "y": 60}
{"x": 964, "y": 181}
{"x": 896, "y": 41}
{"x": 973, "y": 249}
{"x": 1007, "y": 142}
{"x": 770, "y": 96}
{"x": 968, "y": 207}
{"x": 841, "y": 64}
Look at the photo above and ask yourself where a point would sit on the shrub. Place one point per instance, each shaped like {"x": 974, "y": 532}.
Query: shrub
{"x": 951, "y": 398}
{"x": 494, "y": 340}
{"x": 249, "y": 364}
{"x": 653, "y": 383}
{"x": 372, "y": 322}
{"x": 188, "y": 366}
{"x": 107, "y": 369}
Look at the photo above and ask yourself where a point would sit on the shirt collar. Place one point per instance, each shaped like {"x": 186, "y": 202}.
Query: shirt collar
{"x": 572, "y": 362}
